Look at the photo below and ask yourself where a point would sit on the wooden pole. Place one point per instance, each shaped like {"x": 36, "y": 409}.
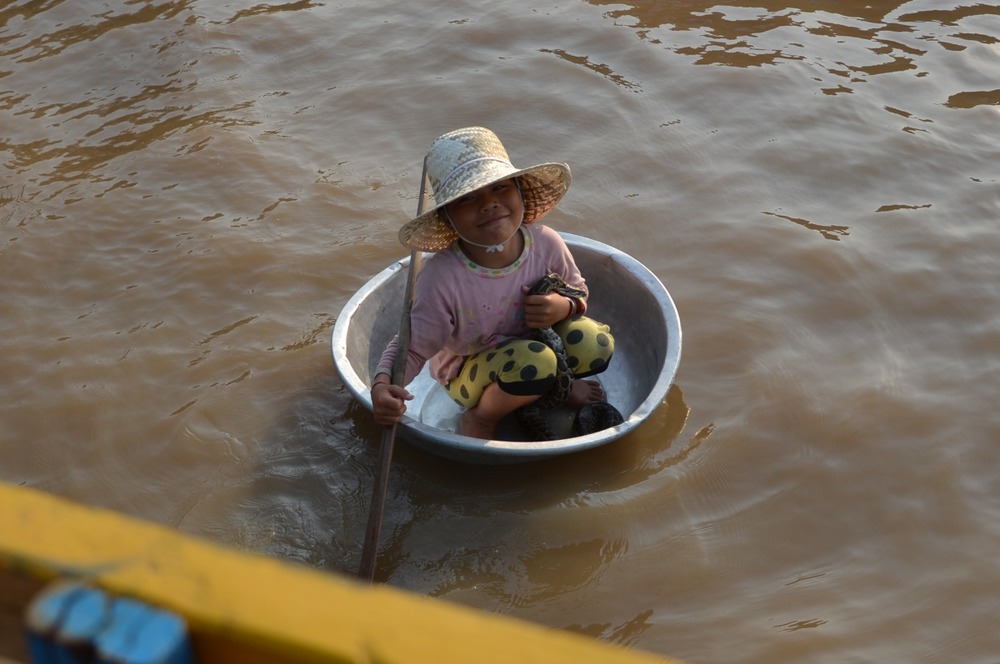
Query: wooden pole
{"x": 381, "y": 487}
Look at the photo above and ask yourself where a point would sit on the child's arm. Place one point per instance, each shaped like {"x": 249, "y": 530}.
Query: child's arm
{"x": 427, "y": 335}
{"x": 559, "y": 259}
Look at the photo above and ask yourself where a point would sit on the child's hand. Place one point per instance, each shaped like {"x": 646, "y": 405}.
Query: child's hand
{"x": 389, "y": 403}
{"x": 544, "y": 310}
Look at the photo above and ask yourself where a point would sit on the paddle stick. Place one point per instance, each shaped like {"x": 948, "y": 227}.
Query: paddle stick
{"x": 381, "y": 487}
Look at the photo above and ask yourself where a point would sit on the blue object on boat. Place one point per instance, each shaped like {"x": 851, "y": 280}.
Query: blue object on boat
{"x": 140, "y": 634}
{"x": 71, "y": 623}
{"x": 63, "y": 622}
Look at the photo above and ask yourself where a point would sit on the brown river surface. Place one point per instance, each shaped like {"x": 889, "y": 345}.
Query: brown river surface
{"x": 190, "y": 192}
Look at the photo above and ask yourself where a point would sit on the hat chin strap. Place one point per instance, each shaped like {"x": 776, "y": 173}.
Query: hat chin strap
{"x": 490, "y": 248}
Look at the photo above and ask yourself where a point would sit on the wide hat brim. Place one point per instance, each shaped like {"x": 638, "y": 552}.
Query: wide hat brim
{"x": 542, "y": 187}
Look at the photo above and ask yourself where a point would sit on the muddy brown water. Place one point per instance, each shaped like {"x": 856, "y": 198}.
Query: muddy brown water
{"x": 191, "y": 191}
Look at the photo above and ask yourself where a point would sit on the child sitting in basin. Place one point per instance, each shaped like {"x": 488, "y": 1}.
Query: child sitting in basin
{"x": 471, "y": 316}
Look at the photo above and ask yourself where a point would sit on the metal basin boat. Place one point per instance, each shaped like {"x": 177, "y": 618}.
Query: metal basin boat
{"x": 623, "y": 293}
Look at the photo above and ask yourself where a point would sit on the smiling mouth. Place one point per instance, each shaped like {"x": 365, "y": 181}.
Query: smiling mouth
{"x": 494, "y": 220}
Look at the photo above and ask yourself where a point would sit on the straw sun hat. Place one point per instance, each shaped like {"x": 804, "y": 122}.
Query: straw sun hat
{"x": 464, "y": 160}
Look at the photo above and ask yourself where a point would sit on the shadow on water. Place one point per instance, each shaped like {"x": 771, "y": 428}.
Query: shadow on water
{"x": 299, "y": 495}
{"x": 305, "y": 496}
{"x": 451, "y": 527}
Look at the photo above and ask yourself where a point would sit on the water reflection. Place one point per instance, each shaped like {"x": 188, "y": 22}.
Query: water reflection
{"x": 600, "y": 68}
{"x": 871, "y": 38}
{"x": 973, "y": 99}
{"x": 829, "y": 231}
{"x": 688, "y": 15}
{"x": 625, "y": 634}
{"x": 259, "y": 9}
{"x": 52, "y": 43}
{"x": 98, "y": 109}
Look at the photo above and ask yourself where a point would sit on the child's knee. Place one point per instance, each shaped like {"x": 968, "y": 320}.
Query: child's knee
{"x": 519, "y": 366}
{"x": 530, "y": 370}
{"x": 589, "y": 345}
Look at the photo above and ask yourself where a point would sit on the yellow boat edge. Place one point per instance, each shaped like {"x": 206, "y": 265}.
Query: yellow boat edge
{"x": 245, "y": 607}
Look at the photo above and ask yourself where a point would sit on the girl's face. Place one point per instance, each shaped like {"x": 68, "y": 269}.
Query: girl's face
{"x": 488, "y": 215}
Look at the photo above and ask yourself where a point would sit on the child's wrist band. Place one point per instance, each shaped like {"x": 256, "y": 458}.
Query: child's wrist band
{"x": 572, "y": 308}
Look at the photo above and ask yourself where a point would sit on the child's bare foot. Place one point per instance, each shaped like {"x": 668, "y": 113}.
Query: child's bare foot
{"x": 469, "y": 424}
{"x": 585, "y": 392}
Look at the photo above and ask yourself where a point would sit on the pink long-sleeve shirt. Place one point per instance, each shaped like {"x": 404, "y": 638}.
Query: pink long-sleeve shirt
{"x": 461, "y": 308}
